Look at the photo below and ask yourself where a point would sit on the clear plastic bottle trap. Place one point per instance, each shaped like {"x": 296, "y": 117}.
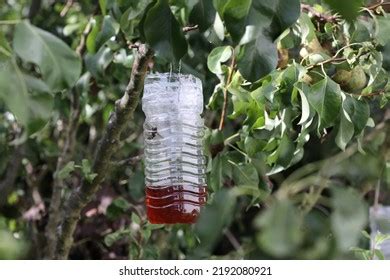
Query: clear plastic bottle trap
{"x": 174, "y": 160}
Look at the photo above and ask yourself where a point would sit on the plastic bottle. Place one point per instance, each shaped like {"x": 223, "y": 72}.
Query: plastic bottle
{"x": 174, "y": 160}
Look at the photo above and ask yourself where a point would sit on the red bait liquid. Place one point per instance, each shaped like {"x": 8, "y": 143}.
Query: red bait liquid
{"x": 174, "y": 204}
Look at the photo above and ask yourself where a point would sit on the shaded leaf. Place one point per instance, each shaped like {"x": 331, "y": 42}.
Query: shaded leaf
{"x": 285, "y": 151}
{"x": 213, "y": 218}
{"x": 349, "y": 217}
{"x": 265, "y": 21}
{"x": 279, "y": 229}
{"x": 359, "y": 112}
{"x": 60, "y": 66}
{"x": 346, "y": 128}
{"x": 348, "y": 9}
{"x": 27, "y": 97}
{"x": 203, "y": 14}
{"x": 245, "y": 175}
{"x": 305, "y": 107}
{"x": 5, "y": 49}
{"x": 66, "y": 170}
{"x": 216, "y": 177}
{"x": 325, "y": 97}
{"x": 162, "y": 31}
{"x": 258, "y": 58}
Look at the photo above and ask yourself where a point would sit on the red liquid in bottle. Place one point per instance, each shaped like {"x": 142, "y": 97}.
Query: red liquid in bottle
{"x": 174, "y": 204}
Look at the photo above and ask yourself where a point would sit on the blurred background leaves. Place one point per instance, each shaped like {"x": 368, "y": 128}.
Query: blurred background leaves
{"x": 292, "y": 171}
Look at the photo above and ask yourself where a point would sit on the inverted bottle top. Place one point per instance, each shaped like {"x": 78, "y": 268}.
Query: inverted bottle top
{"x": 172, "y": 92}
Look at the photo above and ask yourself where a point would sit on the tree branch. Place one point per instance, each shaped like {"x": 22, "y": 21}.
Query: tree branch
{"x": 59, "y": 184}
{"x": 66, "y": 8}
{"x": 124, "y": 109}
{"x": 34, "y": 8}
{"x": 66, "y": 154}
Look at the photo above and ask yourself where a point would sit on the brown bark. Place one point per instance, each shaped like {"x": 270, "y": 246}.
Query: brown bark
{"x": 123, "y": 112}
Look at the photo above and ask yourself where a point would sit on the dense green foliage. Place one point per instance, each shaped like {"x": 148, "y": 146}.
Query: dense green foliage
{"x": 292, "y": 166}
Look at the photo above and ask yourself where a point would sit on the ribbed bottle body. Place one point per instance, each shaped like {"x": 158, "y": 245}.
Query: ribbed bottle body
{"x": 174, "y": 161}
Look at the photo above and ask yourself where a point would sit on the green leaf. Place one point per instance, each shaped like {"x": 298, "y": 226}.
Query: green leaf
{"x": 325, "y": 97}
{"x": 307, "y": 28}
{"x": 305, "y": 106}
{"x": 109, "y": 29}
{"x": 216, "y": 178}
{"x": 5, "y": 49}
{"x": 203, "y": 14}
{"x": 87, "y": 170}
{"x": 245, "y": 175}
{"x": 213, "y": 218}
{"x": 136, "y": 186}
{"x": 348, "y": 9}
{"x": 273, "y": 16}
{"x": 346, "y": 128}
{"x": 233, "y": 14}
{"x": 117, "y": 207}
{"x": 98, "y": 63}
{"x": 27, "y": 97}
{"x": 135, "y": 8}
{"x": 121, "y": 203}
{"x": 386, "y": 56}
{"x": 103, "y": 6}
{"x": 279, "y": 229}
{"x": 383, "y": 29}
{"x": 345, "y": 132}
{"x": 60, "y": 66}
{"x": 359, "y": 112}
{"x": 162, "y": 31}
{"x": 258, "y": 58}
{"x": 252, "y": 146}
{"x": 378, "y": 253}
{"x": 265, "y": 21}
{"x": 66, "y": 170}
{"x": 348, "y": 218}
{"x": 217, "y": 56}
{"x": 285, "y": 151}
{"x": 219, "y": 5}
{"x": 135, "y": 218}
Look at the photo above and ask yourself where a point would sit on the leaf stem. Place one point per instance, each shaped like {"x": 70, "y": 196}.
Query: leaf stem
{"x": 225, "y": 92}
{"x": 334, "y": 58}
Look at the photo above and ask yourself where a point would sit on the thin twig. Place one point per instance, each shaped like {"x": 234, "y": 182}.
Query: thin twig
{"x": 233, "y": 240}
{"x": 334, "y": 58}
{"x": 320, "y": 16}
{"x": 131, "y": 160}
{"x": 377, "y": 5}
{"x": 80, "y": 49}
{"x": 66, "y": 8}
{"x": 372, "y": 94}
{"x": 317, "y": 168}
{"x": 190, "y": 28}
{"x": 225, "y": 92}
